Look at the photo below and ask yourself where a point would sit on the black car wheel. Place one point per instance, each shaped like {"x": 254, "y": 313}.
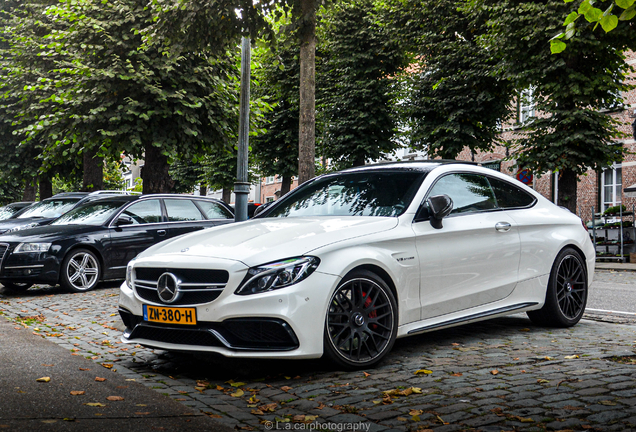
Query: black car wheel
{"x": 361, "y": 322}
{"x": 566, "y": 295}
{"x": 80, "y": 271}
{"x": 17, "y": 286}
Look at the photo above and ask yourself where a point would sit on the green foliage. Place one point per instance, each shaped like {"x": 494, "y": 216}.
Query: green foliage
{"x": 572, "y": 91}
{"x": 103, "y": 88}
{"x": 360, "y": 57}
{"x": 456, "y": 95}
{"x": 275, "y": 149}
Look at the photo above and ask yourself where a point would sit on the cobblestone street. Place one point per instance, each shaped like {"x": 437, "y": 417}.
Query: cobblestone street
{"x": 503, "y": 374}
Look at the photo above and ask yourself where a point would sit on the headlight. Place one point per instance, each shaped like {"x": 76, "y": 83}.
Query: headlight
{"x": 277, "y": 275}
{"x": 32, "y": 247}
{"x": 23, "y": 227}
{"x": 129, "y": 272}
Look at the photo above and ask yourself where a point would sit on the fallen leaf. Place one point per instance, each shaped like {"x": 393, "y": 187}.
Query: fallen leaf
{"x": 268, "y": 408}
{"x": 237, "y": 393}
{"x": 78, "y": 392}
{"x": 607, "y": 403}
{"x": 494, "y": 372}
{"x": 95, "y": 404}
{"x": 237, "y": 384}
{"x": 107, "y": 365}
{"x": 84, "y": 369}
{"x": 416, "y": 412}
{"x": 299, "y": 418}
{"x": 143, "y": 413}
{"x": 115, "y": 398}
{"x": 286, "y": 388}
{"x": 219, "y": 388}
{"x": 44, "y": 379}
{"x": 423, "y": 372}
{"x": 99, "y": 379}
{"x": 543, "y": 381}
{"x": 257, "y": 412}
{"x": 456, "y": 374}
{"x": 571, "y": 357}
{"x": 415, "y": 418}
{"x": 367, "y": 375}
{"x": 402, "y": 419}
{"x": 253, "y": 399}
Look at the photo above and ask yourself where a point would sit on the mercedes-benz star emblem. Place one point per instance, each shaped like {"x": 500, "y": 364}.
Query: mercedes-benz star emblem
{"x": 168, "y": 288}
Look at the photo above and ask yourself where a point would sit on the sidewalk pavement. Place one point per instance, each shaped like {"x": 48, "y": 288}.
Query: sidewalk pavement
{"x": 615, "y": 266}
{"x": 43, "y": 388}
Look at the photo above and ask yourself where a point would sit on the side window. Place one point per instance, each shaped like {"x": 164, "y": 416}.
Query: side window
{"x": 213, "y": 210}
{"x": 182, "y": 210}
{"x": 469, "y": 192}
{"x": 510, "y": 196}
{"x": 147, "y": 211}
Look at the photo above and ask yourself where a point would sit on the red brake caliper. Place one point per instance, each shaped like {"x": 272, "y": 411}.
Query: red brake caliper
{"x": 373, "y": 313}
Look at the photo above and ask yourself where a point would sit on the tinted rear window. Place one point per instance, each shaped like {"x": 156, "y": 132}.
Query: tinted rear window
{"x": 510, "y": 196}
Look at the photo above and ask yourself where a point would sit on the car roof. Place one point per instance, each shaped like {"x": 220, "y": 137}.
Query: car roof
{"x": 420, "y": 165}
{"x": 129, "y": 198}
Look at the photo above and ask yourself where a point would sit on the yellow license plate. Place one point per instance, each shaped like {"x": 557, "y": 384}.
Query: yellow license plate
{"x": 170, "y": 315}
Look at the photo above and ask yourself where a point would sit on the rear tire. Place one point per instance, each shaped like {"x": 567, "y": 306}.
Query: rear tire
{"x": 566, "y": 295}
{"x": 361, "y": 322}
{"x": 81, "y": 271}
{"x": 17, "y": 286}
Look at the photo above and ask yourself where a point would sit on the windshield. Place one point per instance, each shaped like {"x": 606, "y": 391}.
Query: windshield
{"x": 90, "y": 214}
{"x": 370, "y": 193}
{"x": 7, "y": 212}
{"x": 50, "y": 208}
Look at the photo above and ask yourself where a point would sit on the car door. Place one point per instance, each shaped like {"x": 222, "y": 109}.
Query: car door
{"x": 474, "y": 258}
{"x": 146, "y": 226}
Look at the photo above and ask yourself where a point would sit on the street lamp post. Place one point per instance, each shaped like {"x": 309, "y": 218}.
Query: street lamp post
{"x": 242, "y": 185}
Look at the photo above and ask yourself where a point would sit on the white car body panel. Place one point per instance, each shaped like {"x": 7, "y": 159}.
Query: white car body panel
{"x": 494, "y": 273}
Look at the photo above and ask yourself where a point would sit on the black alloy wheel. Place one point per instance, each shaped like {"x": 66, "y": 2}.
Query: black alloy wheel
{"x": 566, "y": 295}
{"x": 17, "y": 286}
{"x": 81, "y": 271}
{"x": 361, "y": 322}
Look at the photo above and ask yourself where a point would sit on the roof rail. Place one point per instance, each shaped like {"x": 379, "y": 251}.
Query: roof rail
{"x": 113, "y": 192}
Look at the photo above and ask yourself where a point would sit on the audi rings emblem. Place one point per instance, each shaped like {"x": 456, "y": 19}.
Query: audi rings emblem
{"x": 168, "y": 288}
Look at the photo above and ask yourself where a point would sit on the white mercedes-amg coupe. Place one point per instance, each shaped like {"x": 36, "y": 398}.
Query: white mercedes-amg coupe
{"x": 349, "y": 261}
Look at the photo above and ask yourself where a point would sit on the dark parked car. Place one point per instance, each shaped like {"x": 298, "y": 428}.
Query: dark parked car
{"x": 47, "y": 210}
{"x": 96, "y": 240}
{"x": 10, "y": 209}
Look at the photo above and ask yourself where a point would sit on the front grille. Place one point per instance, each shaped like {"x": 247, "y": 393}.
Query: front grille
{"x": 3, "y": 251}
{"x": 197, "y": 286}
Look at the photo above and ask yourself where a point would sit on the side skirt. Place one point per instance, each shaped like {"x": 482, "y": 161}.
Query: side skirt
{"x": 477, "y": 316}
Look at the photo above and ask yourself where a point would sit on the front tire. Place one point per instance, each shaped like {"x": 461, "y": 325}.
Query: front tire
{"x": 17, "y": 286}
{"x": 81, "y": 271}
{"x": 566, "y": 295}
{"x": 361, "y": 322}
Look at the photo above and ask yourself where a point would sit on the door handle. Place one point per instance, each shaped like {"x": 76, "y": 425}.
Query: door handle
{"x": 161, "y": 233}
{"x": 503, "y": 226}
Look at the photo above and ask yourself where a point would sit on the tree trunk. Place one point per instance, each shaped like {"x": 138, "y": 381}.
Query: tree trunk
{"x": 29, "y": 192}
{"x": 226, "y": 195}
{"x": 567, "y": 190}
{"x": 93, "y": 178}
{"x": 46, "y": 187}
{"x": 307, "y": 123}
{"x": 285, "y": 185}
{"x": 154, "y": 174}
{"x": 203, "y": 190}
{"x": 359, "y": 160}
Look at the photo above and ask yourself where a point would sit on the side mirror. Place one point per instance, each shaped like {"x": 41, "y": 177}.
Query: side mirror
{"x": 439, "y": 207}
{"x": 124, "y": 220}
{"x": 261, "y": 208}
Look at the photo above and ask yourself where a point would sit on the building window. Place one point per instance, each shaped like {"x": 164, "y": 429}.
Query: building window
{"x": 611, "y": 186}
{"x": 269, "y": 199}
{"x": 270, "y": 179}
{"x": 525, "y": 106}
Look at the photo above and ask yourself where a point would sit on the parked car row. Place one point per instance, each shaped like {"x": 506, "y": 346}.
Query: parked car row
{"x": 79, "y": 239}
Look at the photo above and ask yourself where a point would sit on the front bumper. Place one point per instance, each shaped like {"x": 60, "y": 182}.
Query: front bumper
{"x": 284, "y": 323}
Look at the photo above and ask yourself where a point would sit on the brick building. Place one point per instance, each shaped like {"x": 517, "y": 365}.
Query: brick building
{"x": 270, "y": 188}
{"x": 598, "y": 190}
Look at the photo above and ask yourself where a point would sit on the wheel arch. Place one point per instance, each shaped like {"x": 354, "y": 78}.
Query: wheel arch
{"x": 81, "y": 246}
{"x": 382, "y": 274}
{"x": 579, "y": 251}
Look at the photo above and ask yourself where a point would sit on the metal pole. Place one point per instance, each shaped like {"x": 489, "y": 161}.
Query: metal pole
{"x": 242, "y": 186}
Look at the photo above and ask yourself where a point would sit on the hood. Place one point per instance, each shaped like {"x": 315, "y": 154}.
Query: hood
{"x": 11, "y": 223}
{"x": 47, "y": 233}
{"x": 265, "y": 240}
